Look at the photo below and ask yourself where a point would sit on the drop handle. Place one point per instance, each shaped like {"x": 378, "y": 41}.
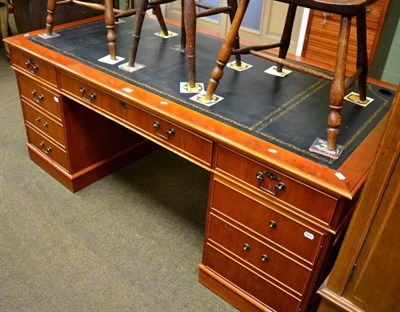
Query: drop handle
{"x": 92, "y": 96}
{"x": 38, "y": 98}
{"x": 169, "y": 133}
{"x": 246, "y": 246}
{"x": 45, "y": 150}
{"x": 280, "y": 186}
{"x": 31, "y": 66}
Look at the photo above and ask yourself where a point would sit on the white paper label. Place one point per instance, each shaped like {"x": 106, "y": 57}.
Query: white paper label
{"x": 309, "y": 235}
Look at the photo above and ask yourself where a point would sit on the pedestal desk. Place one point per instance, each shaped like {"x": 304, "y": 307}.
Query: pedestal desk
{"x": 273, "y": 216}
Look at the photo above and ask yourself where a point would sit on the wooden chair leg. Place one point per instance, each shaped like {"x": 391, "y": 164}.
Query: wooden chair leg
{"x": 110, "y": 26}
{"x": 236, "y": 45}
{"x": 51, "y": 7}
{"x": 226, "y": 50}
{"x": 190, "y": 38}
{"x": 287, "y": 34}
{"x": 362, "y": 56}
{"x": 183, "y": 30}
{"x": 140, "y": 15}
{"x": 157, "y": 12}
{"x": 338, "y": 84}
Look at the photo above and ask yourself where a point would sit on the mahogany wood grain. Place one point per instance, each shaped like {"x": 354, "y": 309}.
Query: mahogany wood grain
{"x": 302, "y": 169}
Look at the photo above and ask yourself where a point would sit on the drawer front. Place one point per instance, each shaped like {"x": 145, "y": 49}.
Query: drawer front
{"x": 275, "y": 185}
{"x": 157, "y": 128}
{"x": 48, "y": 148}
{"x": 259, "y": 255}
{"x": 248, "y": 281}
{"x": 33, "y": 66}
{"x": 274, "y": 227}
{"x": 40, "y": 96}
{"x": 44, "y": 123}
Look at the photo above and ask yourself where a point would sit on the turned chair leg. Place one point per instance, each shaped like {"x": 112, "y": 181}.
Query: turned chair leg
{"x": 338, "y": 84}
{"x": 51, "y": 7}
{"x": 110, "y": 26}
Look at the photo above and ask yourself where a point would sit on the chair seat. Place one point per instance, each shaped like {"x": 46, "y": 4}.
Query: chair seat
{"x": 341, "y": 7}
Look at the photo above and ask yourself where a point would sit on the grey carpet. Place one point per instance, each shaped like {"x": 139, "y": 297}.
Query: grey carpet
{"x": 129, "y": 242}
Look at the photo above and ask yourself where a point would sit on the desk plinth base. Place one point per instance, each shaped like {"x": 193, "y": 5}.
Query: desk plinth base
{"x": 228, "y": 292}
{"x": 79, "y": 180}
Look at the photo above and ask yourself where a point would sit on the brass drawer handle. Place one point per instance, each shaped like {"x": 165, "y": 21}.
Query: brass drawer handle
{"x": 37, "y": 99}
{"x": 47, "y": 150}
{"x": 169, "y": 133}
{"x": 31, "y": 66}
{"x": 92, "y": 96}
{"x": 280, "y": 186}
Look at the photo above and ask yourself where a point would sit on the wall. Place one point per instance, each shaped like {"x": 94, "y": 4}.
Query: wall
{"x": 386, "y": 63}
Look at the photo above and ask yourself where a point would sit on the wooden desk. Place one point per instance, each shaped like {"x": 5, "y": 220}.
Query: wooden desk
{"x": 266, "y": 246}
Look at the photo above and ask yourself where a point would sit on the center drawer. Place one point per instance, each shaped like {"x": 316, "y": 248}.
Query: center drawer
{"x": 154, "y": 127}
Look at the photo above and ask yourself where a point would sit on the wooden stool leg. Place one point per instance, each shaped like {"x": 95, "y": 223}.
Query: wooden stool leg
{"x": 226, "y": 50}
{"x": 338, "y": 84}
{"x": 160, "y": 18}
{"x": 183, "y": 31}
{"x": 51, "y": 7}
{"x": 140, "y": 15}
{"x": 362, "y": 57}
{"x": 190, "y": 31}
{"x": 110, "y": 26}
{"x": 236, "y": 45}
{"x": 287, "y": 34}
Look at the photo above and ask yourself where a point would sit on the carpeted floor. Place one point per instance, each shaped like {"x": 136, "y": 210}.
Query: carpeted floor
{"x": 129, "y": 242}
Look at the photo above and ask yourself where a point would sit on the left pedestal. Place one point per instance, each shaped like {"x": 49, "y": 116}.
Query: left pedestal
{"x": 72, "y": 143}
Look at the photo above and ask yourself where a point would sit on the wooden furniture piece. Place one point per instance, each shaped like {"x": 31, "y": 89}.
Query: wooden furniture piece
{"x": 366, "y": 274}
{"x": 320, "y": 43}
{"x": 107, "y": 8}
{"x": 31, "y": 14}
{"x": 188, "y": 31}
{"x": 273, "y": 217}
{"x": 347, "y": 10}
{"x": 6, "y": 8}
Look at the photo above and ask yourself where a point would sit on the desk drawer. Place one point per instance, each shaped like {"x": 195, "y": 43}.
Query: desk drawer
{"x": 47, "y": 147}
{"x": 274, "y": 227}
{"x": 32, "y": 66}
{"x": 44, "y": 123}
{"x": 249, "y": 281}
{"x": 258, "y": 254}
{"x": 154, "y": 127}
{"x": 39, "y": 95}
{"x": 276, "y": 185}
